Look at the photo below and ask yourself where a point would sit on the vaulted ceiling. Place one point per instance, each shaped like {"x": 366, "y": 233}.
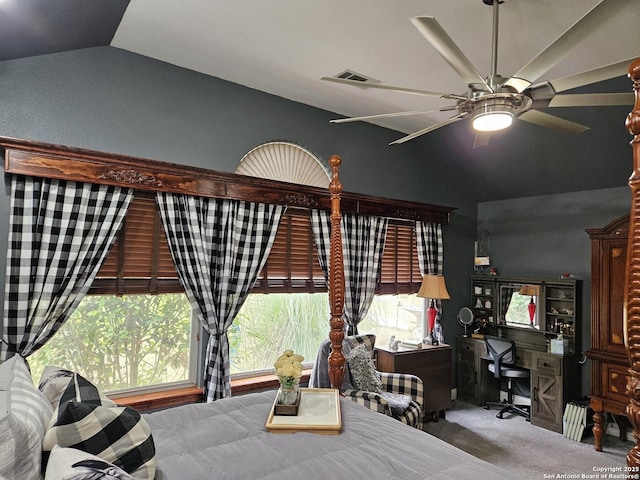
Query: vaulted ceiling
{"x": 283, "y": 47}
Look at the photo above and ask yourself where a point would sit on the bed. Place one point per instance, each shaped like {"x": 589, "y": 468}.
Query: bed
{"x": 228, "y": 438}
{"x": 632, "y": 278}
{"x": 80, "y": 433}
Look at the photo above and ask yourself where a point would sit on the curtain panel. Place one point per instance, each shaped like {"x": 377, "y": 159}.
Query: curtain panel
{"x": 218, "y": 247}
{"x": 363, "y": 239}
{"x": 60, "y": 233}
{"x": 430, "y": 252}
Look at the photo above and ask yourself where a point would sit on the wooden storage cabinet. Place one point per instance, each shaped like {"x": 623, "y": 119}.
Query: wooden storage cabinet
{"x": 609, "y": 361}
{"x": 552, "y": 385}
{"x": 474, "y": 381}
{"x": 431, "y": 363}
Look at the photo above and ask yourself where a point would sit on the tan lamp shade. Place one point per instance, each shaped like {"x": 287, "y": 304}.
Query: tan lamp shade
{"x": 433, "y": 286}
{"x": 529, "y": 290}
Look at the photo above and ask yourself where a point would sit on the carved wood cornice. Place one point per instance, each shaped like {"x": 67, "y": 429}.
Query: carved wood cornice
{"x": 55, "y": 161}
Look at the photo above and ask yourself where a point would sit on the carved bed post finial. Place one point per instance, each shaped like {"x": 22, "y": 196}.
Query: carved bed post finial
{"x": 632, "y": 277}
{"x": 336, "y": 280}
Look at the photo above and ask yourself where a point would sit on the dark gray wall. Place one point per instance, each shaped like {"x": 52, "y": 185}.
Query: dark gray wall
{"x": 114, "y": 101}
{"x": 545, "y": 236}
{"x": 111, "y": 100}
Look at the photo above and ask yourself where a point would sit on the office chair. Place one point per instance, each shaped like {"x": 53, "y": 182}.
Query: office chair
{"x": 502, "y": 352}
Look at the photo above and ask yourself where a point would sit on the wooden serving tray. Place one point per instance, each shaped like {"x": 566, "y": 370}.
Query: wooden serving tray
{"x": 319, "y": 412}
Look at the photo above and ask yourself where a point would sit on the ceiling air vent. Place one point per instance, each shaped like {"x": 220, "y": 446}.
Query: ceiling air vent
{"x": 356, "y": 77}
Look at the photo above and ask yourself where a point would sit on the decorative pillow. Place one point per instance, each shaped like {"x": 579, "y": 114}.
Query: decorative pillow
{"x": 24, "y": 415}
{"x": 363, "y": 371}
{"x": 53, "y": 382}
{"x": 87, "y": 420}
{"x": 72, "y": 464}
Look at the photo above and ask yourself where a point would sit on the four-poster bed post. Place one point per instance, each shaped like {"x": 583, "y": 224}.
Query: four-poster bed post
{"x": 632, "y": 277}
{"x": 336, "y": 280}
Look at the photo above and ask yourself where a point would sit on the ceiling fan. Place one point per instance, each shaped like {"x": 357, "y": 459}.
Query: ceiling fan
{"x": 493, "y": 102}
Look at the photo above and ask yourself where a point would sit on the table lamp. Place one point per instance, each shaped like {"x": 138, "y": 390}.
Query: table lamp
{"x": 433, "y": 287}
{"x": 530, "y": 290}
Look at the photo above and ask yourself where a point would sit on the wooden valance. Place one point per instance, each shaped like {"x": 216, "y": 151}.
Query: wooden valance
{"x": 55, "y": 161}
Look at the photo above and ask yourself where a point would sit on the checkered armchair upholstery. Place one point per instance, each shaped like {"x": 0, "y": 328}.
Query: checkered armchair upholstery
{"x": 398, "y": 383}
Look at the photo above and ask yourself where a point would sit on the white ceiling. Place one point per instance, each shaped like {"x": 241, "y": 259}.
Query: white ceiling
{"x": 283, "y": 47}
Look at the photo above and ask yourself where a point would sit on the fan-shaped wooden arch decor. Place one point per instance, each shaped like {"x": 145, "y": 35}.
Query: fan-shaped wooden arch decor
{"x": 284, "y": 161}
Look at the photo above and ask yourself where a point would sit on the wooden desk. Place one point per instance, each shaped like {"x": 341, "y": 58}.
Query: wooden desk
{"x": 432, "y": 364}
{"x": 555, "y": 380}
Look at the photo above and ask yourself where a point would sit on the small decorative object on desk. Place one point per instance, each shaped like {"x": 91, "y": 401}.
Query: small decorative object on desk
{"x": 289, "y": 370}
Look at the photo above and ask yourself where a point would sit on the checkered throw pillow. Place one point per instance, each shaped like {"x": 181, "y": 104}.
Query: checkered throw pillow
{"x": 87, "y": 420}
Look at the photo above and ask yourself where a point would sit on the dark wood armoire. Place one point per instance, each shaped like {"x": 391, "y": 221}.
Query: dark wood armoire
{"x": 609, "y": 360}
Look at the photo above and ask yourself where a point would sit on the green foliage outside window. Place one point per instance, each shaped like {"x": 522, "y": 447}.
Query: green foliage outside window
{"x": 269, "y": 324}
{"x": 121, "y": 342}
{"x": 142, "y": 340}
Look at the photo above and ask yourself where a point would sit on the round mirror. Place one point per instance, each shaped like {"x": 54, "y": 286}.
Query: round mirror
{"x": 465, "y": 317}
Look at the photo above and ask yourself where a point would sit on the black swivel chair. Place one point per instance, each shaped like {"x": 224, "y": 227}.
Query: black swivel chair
{"x": 502, "y": 352}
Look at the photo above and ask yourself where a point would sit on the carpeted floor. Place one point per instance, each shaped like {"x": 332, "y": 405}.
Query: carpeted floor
{"x": 530, "y": 452}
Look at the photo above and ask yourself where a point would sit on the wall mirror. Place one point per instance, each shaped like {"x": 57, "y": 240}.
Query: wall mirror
{"x": 519, "y": 305}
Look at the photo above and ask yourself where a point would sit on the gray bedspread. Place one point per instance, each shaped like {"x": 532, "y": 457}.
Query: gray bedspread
{"x": 227, "y": 439}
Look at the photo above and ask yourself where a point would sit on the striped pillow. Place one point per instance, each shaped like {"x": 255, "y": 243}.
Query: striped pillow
{"x": 87, "y": 420}
{"x": 24, "y": 415}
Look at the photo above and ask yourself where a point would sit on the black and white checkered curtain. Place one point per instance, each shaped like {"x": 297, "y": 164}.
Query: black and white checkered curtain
{"x": 60, "y": 233}
{"x": 430, "y": 252}
{"x": 363, "y": 240}
{"x": 218, "y": 247}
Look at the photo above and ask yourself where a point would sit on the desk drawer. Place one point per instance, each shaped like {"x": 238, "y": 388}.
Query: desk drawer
{"x": 547, "y": 364}
{"x": 523, "y": 358}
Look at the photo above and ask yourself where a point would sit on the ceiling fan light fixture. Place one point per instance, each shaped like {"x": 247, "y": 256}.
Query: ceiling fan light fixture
{"x": 490, "y": 116}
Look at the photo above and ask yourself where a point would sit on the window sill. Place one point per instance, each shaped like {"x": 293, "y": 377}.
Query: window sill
{"x": 182, "y": 396}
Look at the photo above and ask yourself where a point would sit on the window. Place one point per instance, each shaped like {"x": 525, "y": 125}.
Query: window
{"x": 394, "y": 315}
{"x": 269, "y": 324}
{"x": 125, "y": 342}
{"x": 134, "y": 330}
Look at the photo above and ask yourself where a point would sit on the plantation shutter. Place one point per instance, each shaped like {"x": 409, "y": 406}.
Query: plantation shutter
{"x": 400, "y": 269}
{"x": 293, "y": 264}
{"x": 139, "y": 261}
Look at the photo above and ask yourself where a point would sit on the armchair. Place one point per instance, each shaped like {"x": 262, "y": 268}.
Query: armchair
{"x": 393, "y": 385}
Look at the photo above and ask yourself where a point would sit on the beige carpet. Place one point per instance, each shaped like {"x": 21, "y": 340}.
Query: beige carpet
{"x": 530, "y": 452}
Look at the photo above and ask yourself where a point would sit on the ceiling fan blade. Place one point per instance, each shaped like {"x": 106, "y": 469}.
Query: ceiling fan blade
{"x": 482, "y": 139}
{"x": 592, "y": 76}
{"x": 435, "y": 34}
{"x": 551, "y": 121}
{"x": 592, "y": 100}
{"x": 588, "y": 25}
{"x": 391, "y": 115}
{"x": 381, "y": 86}
{"x": 429, "y": 129}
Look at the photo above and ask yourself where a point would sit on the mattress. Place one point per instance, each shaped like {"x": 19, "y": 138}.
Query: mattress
{"x": 227, "y": 439}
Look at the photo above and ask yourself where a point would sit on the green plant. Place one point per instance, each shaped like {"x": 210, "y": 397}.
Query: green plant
{"x": 120, "y": 342}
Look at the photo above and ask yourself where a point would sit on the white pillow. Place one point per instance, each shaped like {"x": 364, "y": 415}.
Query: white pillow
{"x": 78, "y": 465}
{"x": 24, "y": 415}
{"x": 53, "y": 382}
